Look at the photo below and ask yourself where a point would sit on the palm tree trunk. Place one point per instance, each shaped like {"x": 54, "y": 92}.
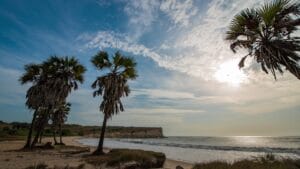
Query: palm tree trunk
{"x": 29, "y": 137}
{"x": 40, "y": 130}
{"x": 54, "y": 135}
{"x": 99, "y": 149}
{"x": 36, "y": 138}
{"x": 41, "y": 136}
{"x": 60, "y": 135}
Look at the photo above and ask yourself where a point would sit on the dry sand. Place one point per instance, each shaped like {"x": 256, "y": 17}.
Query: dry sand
{"x": 11, "y": 158}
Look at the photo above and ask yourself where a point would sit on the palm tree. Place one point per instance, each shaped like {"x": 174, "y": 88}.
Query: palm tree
{"x": 59, "y": 116}
{"x": 267, "y": 34}
{"x": 37, "y": 98}
{"x": 33, "y": 74}
{"x": 63, "y": 75}
{"x": 112, "y": 85}
{"x": 52, "y": 81}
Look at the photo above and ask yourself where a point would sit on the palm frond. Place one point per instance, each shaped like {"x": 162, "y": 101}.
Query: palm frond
{"x": 101, "y": 60}
{"x": 32, "y": 73}
{"x": 245, "y": 23}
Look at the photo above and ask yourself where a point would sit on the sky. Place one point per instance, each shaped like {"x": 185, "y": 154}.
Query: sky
{"x": 189, "y": 82}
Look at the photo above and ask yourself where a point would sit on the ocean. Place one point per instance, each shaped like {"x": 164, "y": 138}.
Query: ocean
{"x": 205, "y": 149}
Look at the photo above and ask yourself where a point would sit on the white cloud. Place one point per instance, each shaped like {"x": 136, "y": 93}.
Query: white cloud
{"x": 179, "y": 11}
{"x": 141, "y": 12}
{"x": 203, "y": 47}
{"x": 105, "y": 39}
{"x": 160, "y": 93}
{"x": 141, "y": 15}
{"x": 160, "y": 111}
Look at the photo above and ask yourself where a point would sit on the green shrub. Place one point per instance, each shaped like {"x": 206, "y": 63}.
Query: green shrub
{"x": 48, "y": 132}
{"x": 81, "y": 133}
{"x": 66, "y": 132}
{"x": 22, "y": 132}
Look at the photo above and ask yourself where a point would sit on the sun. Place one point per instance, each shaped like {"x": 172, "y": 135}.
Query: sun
{"x": 229, "y": 72}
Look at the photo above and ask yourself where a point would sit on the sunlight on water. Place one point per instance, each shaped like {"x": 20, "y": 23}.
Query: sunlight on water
{"x": 249, "y": 140}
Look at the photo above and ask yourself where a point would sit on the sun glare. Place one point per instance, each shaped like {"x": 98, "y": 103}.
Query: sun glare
{"x": 228, "y": 72}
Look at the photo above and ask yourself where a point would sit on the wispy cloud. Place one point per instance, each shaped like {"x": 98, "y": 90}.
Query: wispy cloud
{"x": 141, "y": 15}
{"x": 179, "y": 11}
{"x": 105, "y": 39}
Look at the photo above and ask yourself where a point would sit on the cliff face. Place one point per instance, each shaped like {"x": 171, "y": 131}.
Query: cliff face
{"x": 128, "y": 132}
{"x": 135, "y": 132}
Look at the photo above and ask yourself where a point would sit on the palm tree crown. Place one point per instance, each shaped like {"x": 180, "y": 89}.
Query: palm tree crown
{"x": 52, "y": 80}
{"x": 267, "y": 34}
{"x": 113, "y": 84}
{"x": 63, "y": 75}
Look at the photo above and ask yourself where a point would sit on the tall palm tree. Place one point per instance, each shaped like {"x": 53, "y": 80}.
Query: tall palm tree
{"x": 267, "y": 34}
{"x": 33, "y": 74}
{"x": 112, "y": 85}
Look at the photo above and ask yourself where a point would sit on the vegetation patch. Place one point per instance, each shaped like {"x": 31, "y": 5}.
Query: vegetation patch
{"x": 266, "y": 162}
{"x": 127, "y": 157}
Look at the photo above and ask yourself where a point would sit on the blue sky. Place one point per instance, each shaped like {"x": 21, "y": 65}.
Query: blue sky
{"x": 188, "y": 83}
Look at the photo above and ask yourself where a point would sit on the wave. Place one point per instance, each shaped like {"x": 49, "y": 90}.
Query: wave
{"x": 222, "y": 148}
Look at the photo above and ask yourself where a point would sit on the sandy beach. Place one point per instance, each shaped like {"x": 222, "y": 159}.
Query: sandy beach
{"x": 11, "y": 158}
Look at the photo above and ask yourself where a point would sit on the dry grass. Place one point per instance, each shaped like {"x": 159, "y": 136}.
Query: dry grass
{"x": 44, "y": 166}
{"x": 266, "y": 162}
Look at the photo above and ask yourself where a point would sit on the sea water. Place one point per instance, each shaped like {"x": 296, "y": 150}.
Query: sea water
{"x": 204, "y": 149}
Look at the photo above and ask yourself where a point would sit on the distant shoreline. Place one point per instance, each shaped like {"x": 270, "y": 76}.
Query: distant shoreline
{"x": 16, "y": 129}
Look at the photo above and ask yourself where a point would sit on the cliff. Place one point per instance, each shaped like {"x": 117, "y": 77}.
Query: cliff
{"x": 135, "y": 132}
{"x": 126, "y": 132}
